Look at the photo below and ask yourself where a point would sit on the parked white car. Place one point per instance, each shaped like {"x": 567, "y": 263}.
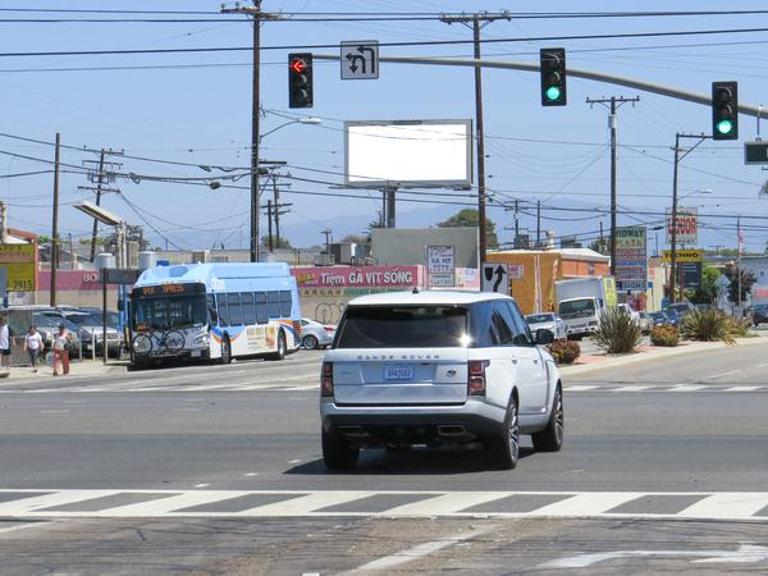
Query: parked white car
{"x": 315, "y": 335}
{"x": 431, "y": 368}
{"x": 627, "y": 309}
{"x": 549, "y": 321}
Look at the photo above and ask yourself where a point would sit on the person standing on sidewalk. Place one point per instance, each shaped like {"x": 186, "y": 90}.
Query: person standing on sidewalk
{"x": 61, "y": 350}
{"x": 33, "y": 344}
{"x": 5, "y": 343}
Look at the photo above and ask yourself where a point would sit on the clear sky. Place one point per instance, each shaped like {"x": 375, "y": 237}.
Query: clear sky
{"x": 195, "y": 108}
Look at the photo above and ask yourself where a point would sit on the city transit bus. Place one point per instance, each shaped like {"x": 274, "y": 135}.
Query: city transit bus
{"x": 221, "y": 311}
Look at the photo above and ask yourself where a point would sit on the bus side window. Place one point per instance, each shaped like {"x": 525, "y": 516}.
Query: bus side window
{"x": 273, "y": 303}
{"x": 262, "y": 314}
{"x": 249, "y": 309}
{"x": 235, "y": 311}
{"x": 286, "y": 303}
{"x": 221, "y": 299}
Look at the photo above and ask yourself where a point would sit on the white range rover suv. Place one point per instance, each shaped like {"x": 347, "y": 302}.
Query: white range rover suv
{"x": 435, "y": 367}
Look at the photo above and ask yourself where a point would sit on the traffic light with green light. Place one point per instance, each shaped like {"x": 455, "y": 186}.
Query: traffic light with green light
{"x": 725, "y": 111}
{"x": 552, "y": 66}
{"x": 300, "y": 80}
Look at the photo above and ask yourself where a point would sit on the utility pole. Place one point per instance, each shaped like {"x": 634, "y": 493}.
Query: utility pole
{"x": 738, "y": 260}
{"x": 269, "y": 225}
{"x": 327, "y": 232}
{"x": 258, "y": 16}
{"x": 55, "y": 222}
{"x": 100, "y": 177}
{"x": 478, "y": 21}
{"x": 538, "y": 223}
{"x": 517, "y": 221}
{"x": 276, "y": 203}
{"x": 613, "y": 104}
{"x": 673, "y": 239}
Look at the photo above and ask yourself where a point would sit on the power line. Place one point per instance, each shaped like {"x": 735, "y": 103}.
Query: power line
{"x": 414, "y": 43}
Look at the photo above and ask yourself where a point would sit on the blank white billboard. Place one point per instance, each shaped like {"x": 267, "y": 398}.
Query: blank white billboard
{"x": 409, "y": 154}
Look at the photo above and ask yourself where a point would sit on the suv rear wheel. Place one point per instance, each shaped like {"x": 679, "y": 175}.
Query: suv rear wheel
{"x": 503, "y": 450}
{"x": 338, "y": 454}
{"x": 551, "y": 438}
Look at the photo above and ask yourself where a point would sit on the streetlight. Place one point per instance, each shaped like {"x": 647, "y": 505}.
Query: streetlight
{"x": 256, "y": 192}
{"x": 310, "y": 120}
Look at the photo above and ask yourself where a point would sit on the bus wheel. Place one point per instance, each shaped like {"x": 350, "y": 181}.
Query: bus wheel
{"x": 226, "y": 350}
{"x": 281, "y": 347}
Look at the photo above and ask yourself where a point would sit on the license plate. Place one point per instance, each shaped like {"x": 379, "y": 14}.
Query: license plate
{"x": 398, "y": 372}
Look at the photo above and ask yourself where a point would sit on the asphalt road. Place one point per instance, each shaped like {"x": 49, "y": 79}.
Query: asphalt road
{"x": 216, "y": 470}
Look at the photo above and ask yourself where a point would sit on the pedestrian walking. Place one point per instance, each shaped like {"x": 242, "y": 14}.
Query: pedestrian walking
{"x": 61, "y": 342}
{"x": 5, "y": 343}
{"x": 33, "y": 344}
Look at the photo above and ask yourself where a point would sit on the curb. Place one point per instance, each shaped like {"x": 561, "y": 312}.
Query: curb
{"x": 619, "y": 361}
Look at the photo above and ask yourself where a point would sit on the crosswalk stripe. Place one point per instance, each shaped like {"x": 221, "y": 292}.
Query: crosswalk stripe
{"x": 306, "y": 504}
{"x": 633, "y": 388}
{"x": 586, "y": 504}
{"x": 580, "y": 387}
{"x": 687, "y": 388}
{"x": 727, "y": 505}
{"x": 445, "y": 503}
{"x": 743, "y": 388}
{"x": 356, "y": 503}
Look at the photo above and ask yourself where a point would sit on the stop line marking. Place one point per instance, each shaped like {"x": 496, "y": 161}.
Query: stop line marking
{"x": 93, "y": 503}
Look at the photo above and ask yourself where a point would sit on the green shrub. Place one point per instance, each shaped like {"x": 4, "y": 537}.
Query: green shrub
{"x": 708, "y": 326}
{"x": 665, "y": 335}
{"x": 565, "y": 351}
{"x": 738, "y": 327}
{"x": 618, "y": 333}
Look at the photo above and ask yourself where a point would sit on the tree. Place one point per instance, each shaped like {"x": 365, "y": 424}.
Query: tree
{"x": 707, "y": 293}
{"x": 602, "y": 246}
{"x": 747, "y": 279}
{"x": 355, "y": 239}
{"x": 284, "y": 242}
{"x": 469, "y": 217}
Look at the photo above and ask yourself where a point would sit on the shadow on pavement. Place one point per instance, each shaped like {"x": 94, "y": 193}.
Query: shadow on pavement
{"x": 418, "y": 461}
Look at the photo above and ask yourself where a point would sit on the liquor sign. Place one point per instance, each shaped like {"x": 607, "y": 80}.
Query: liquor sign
{"x": 441, "y": 266}
{"x": 631, "y": 259}
{"x": 684, "y": 255}
{"x": 19, "y": 260}
{"x": 687, "y": 226}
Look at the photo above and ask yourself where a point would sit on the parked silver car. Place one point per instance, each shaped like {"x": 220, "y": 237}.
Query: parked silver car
{"x": 549, "y": 321}
{"x": 433, "y": 368}
{"x": 315, "y": 335}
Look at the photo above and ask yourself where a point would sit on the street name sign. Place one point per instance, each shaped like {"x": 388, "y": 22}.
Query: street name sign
{"x": 360, "y": 60}
{"x": 495, "y": 278}
{"x": 684, "y": 255}
{"x": 756, "y": 152}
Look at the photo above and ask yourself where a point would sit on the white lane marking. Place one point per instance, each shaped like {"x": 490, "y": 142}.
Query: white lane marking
{"x": 306, "y": 503}
{"x": 54, "y": 411}
{"x": 727, "y": 373}
{"x": 745, "y": 554}
{"x": 418, "y": 551}
{"x": 587, "y": 503}
{"x": 762, "y": 365}
{"x": 445, "y": 503}
{"x": 23, "y": 526}
{"x": 202, "y": 485}
{"x": 742, "y": 388}
{"x": 687, "y": 388}
{"x": 580, "y": 388}
{"x": 727, "y": 505}
{"x": 633, "y": 388}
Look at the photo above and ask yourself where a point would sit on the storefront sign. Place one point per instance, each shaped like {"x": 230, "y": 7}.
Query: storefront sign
{"x": 687, "y": 226}
{"x": 631, "y": 259}
{"x": 357, "y": 276}
{"x": 19, "y": 260}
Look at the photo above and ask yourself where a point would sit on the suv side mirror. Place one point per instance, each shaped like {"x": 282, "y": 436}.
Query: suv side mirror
{"x": 544, "y": 336}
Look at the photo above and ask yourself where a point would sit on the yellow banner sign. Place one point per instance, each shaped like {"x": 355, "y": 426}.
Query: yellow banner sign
{"x": 19, "y": 259}
{"x": 685, "y": 255}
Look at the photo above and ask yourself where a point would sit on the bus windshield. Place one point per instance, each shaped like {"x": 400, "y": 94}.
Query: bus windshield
{"x": 170, "y": 312}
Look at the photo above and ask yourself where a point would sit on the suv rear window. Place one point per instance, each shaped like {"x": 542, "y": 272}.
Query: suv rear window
{"x": 403, "y": 327}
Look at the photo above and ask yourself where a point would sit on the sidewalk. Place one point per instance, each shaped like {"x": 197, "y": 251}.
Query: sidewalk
{"x": 593, "y": 362}
{"x": 76, "y": 368}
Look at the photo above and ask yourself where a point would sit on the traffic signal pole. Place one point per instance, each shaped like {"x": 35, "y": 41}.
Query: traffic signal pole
{"x": 613, "y": 104}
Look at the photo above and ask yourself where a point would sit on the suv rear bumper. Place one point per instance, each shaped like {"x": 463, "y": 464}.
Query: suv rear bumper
{"x": 376, "y": 425}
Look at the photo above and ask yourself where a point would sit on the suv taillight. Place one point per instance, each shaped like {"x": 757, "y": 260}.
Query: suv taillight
{"x": 476, "y": 381}
{"x": 326, "y": 379}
